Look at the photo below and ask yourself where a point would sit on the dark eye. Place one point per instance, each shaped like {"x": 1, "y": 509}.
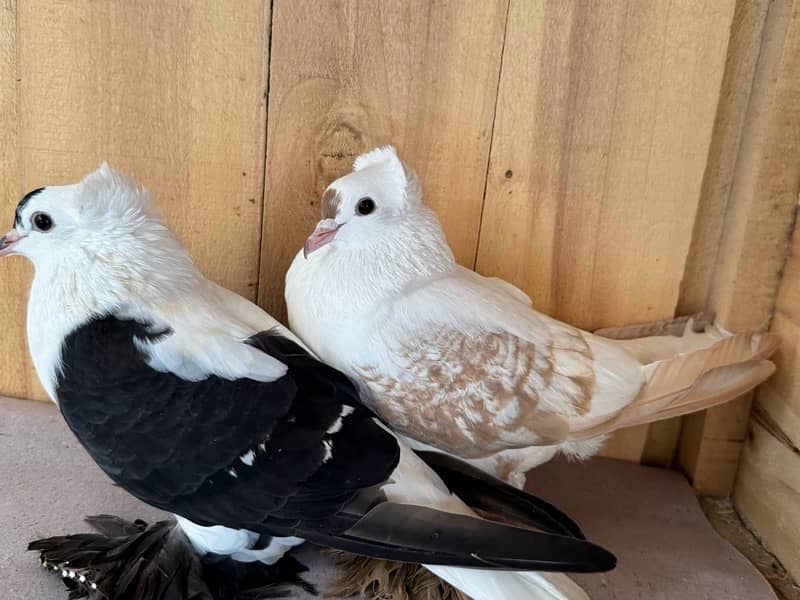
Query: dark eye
{"x": 42, "y": 221}
{"x": 365, "y": 206}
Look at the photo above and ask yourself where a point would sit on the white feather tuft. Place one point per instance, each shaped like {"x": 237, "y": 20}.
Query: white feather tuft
{"x": 328, "y": 444}
{"x": 236, "y": 543}
{"x": 395, "y": 170}
{"x": 385, "y": 155}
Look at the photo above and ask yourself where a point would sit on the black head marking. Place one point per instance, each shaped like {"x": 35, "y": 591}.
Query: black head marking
{"x": 21, "y": 206}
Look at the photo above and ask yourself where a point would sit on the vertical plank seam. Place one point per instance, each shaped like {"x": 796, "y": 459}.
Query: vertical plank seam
{"x": 691, "y": 469}
{"x": 781, "y": 273}
{"x": 17, "y": 95}
{"x": 729, "y": 192}
{"x": 27, "y": 386}
{"x": 765, "y": 33}
{"x": 491, "y": 137}
{"x": 697, "y": 226}
{"x": 607, "y": 167}
{"x": 697, "y": 232}
{"x": 753, "y": 396}
{"x": 262, "y": 209}
{"x": 576, "y": 31}
{"x": 791, "y": 229}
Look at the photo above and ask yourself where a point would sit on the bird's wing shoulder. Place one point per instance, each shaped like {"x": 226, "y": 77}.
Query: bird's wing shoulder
{"x": 500, "y": 285}
{"x": 468, "y": 369}
{"x": 207, "y": 334}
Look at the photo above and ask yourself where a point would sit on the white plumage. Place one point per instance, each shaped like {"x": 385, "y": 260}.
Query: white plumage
{"x": 463, "y": 363}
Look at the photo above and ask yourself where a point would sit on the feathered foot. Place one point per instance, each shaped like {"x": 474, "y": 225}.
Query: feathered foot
{"x": 136, "y": 561}
{"x": 387, "y": 580}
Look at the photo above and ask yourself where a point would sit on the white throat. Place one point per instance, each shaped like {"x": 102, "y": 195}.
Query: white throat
{"x": 70, "y": 290}
{"x": 328, "y": 293}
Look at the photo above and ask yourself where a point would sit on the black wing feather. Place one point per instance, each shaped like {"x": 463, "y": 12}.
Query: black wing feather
{"x": 175, "y": 444}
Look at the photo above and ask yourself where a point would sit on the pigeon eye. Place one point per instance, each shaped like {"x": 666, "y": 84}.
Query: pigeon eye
{"x": 365, "y": 206}
{"x": 42, "y": 221}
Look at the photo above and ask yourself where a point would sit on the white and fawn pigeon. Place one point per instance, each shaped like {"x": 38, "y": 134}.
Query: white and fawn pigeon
{"x": 199, "y": 403}
{"x": 463, "y": 364}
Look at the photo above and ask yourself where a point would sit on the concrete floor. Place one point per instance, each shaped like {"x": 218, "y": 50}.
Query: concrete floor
{"x": 648, "y": 517}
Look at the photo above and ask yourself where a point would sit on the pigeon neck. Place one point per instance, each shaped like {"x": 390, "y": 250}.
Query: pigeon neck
{"x": 65, "y": 296}
{"x": 414, "y": 252}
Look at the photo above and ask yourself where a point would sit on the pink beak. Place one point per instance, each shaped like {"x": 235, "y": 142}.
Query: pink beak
{"x": 323, "y": 234}
{"x": 8, "y": 241}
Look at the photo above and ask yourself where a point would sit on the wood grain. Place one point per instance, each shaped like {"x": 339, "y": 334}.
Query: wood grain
{"x": 767, "y": 494}
{"x": 347, "y": 76}
{"x": 746, "y": 32}
{"x": 15, "y": 379}
{"x": 604, "y": 121}
{"x": 767, "y": 490}
{"x": 756, "y": 230}
{"x": 170, "y": 93}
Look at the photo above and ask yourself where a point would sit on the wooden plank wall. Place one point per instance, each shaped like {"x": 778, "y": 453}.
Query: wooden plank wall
{"x": 600, "y": 106}
{"x": 743, "y": 51}
{"x": 756, "y": 228}
{"x": 350, "y": 75}
{"x": 568, "y": 147}
{"x": 767, "y": 490}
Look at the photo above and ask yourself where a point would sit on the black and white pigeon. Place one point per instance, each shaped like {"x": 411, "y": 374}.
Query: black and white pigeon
{"x": 197, "y": 402}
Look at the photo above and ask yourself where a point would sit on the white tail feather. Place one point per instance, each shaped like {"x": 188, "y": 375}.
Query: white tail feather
{"x": 717, "y": 386}
{"x": 724, "y": 367}
{"x": 497, "y": 585}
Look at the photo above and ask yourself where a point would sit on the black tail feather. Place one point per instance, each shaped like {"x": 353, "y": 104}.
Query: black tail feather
{"x": 113, "y": 526}
{"x": 136, "y": 561}
{"x": 418, "y": 534}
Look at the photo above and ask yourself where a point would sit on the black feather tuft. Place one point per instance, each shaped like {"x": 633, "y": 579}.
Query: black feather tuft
{"x": 136, "y": 561}
{"x": 21, "y": 206}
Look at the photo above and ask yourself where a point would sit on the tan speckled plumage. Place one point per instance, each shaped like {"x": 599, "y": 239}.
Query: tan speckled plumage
{"x": 472, "y": 392}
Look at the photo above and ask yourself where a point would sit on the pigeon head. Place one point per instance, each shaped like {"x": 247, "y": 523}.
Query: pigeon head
{"x": 101, "y": 232}
{"x": 375, "y": 238}
{"x": 365, "y": 204}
